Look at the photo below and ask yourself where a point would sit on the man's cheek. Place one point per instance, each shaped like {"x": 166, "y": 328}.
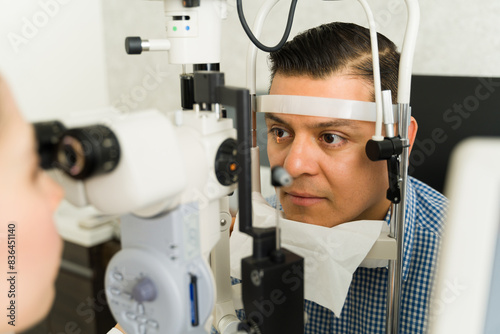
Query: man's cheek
{"x": 276, "y": 157}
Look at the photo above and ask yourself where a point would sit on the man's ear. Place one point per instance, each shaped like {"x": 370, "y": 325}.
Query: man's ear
{"x": 412, "y": 132}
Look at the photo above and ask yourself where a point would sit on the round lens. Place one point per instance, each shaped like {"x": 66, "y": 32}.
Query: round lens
{"x": 88, "y": 151}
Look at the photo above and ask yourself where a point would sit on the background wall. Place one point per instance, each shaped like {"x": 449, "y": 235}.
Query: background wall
{"x": 68, "y": 55}
{"x": 457, "y": 38}
{"x": 52, "y": 53}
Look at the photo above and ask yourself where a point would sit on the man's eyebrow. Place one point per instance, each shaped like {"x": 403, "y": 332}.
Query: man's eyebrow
{"x": 333, "y": 123}
{"x": 273, "y": 118}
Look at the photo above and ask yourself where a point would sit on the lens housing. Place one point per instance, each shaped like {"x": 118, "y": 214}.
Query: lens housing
{"x": 48, "y": 135}
{"x": 88, "y": 151}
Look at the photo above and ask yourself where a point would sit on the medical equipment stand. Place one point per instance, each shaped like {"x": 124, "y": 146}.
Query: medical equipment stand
{"x": 404, "y": 113}
{"x": 397, "y": 159}
{"x": 399, "y": 156}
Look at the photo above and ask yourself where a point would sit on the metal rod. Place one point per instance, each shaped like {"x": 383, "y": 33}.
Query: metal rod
{"x": 395, "y": 273}
{"x": 390, "y": 298}
{"x": 278, "y": 227}
{"x": 217, "y": 110}
{"x": 253, "y": 104}
{"x": 391, "y": 286}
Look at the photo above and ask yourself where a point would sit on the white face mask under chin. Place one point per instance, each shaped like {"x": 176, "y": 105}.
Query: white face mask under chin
{"x": 331, "y": 254}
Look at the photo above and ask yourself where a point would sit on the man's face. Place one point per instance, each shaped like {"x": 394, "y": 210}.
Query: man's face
{"x": 334, "y": 181}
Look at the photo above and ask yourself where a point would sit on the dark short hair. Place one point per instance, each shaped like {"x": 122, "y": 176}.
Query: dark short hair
{"x": 335, "y": 48}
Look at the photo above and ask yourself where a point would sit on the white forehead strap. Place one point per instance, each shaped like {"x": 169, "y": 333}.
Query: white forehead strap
{"x": 320, "y": 106}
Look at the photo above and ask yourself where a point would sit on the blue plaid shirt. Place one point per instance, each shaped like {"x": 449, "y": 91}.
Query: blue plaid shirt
{"x": 364, "y": 310}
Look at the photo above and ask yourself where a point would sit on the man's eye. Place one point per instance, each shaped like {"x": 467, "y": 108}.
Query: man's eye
{"x": 279, "y": 135}
{"x": 330, "y": 138}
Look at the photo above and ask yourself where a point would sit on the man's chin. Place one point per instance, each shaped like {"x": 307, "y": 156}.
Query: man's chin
{"x": 309, "y": 217}
{"x": 302, "y": 218}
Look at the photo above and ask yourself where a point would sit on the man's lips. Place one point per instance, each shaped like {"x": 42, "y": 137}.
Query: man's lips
{"x": 303, "y": 199}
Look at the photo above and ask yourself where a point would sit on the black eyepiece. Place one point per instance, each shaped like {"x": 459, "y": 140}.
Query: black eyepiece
{"x": 88, "y": 151}
{"x": 48, "y": 135}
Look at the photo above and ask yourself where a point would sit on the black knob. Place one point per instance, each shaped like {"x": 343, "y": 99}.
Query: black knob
{"x": 383, "y": 150}
{"x": 280, "y": 177}
{"x": 133, "y": 45}
{"x": 144, "y": 291}
{"x": 226, "y": 165}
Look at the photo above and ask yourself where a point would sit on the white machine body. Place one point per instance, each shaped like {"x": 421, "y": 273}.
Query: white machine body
{"x": 165, "y": 185}
{"x": 161, "y": 164}
{"x": 166, "y": 178}
{"x": 149, "y": 171}
{"x": 194, "y": 33}
{"x": 159, "y": 282}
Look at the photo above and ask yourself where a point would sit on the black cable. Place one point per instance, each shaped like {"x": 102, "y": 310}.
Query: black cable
{"x": 251, "y": 35}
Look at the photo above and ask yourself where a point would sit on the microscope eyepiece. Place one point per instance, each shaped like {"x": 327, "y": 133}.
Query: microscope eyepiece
{"x": 88, "y": 151}
{"x": 48, "y": 135}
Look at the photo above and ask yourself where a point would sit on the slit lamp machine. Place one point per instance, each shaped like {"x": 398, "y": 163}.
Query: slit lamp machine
{"x": 168, "y": 175}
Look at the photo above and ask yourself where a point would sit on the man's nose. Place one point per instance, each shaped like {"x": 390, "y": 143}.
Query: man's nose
{"x": 302, "y": 157}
